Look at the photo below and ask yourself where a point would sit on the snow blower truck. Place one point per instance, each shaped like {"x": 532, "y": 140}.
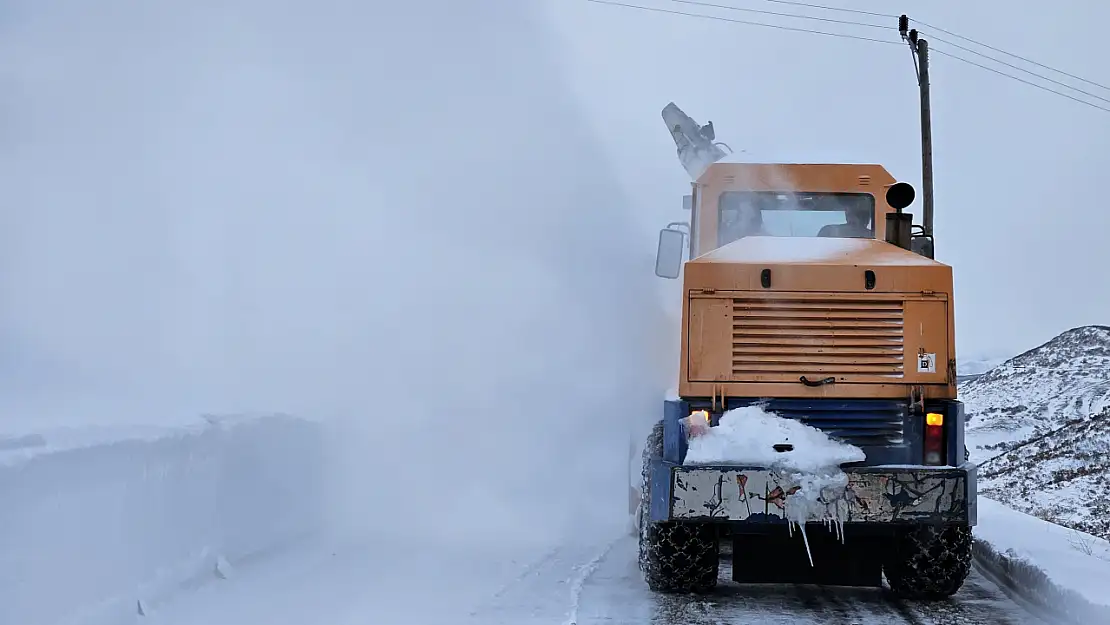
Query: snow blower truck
{"x": 807, "y": 292}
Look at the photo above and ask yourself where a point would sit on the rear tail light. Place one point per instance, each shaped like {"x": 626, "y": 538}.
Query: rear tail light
{"x": 934, "y": 438}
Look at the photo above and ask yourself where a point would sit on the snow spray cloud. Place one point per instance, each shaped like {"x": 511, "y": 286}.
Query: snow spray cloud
{"x": 388, "y": 214}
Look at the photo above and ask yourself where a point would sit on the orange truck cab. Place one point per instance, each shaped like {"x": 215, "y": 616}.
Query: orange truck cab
{"x": 806, "y": 292}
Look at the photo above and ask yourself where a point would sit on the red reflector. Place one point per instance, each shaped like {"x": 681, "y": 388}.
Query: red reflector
{"x": 934, "y": 444}
{"x": 933, "y": 437}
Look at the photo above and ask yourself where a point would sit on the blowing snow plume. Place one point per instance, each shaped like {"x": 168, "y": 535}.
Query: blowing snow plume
{"x": 390, "y": 215}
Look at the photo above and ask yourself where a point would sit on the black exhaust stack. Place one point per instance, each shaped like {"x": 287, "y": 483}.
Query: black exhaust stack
{"x": 899, "y": 225}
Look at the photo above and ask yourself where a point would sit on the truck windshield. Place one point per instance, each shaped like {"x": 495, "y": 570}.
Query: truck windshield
{"x": 799, "y": 214}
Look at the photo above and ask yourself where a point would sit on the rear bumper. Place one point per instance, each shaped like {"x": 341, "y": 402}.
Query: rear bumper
{"x": 874, "y": 495}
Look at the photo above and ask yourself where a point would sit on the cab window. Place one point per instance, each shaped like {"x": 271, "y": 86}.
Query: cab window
{"x": 769, "y": 213}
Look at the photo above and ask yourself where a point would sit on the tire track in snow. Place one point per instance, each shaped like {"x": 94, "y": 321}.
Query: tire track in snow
{"x": 540, "y": 593}
{"x": 846, "y": 612}
{"x": 979, "y": 602}
{"x": 614, "y": 593}
{"x": 905, "y": 612}
{"x": 529, "y": 571}
{"x": 584, "y": 574}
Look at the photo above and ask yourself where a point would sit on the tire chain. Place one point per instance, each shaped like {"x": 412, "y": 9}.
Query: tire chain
{"x": 930, "y": 562}
{"x": 674, "y": 557}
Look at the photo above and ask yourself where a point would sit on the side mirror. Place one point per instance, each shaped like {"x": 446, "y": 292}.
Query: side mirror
{"x": 922, "y": 245}
{"x": 668, "y": 258}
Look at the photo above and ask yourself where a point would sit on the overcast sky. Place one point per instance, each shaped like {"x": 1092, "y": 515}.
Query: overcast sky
{"x": 1018, "y": 213}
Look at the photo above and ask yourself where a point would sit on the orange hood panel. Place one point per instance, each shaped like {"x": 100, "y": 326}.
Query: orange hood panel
{"x": 816, "y": 264}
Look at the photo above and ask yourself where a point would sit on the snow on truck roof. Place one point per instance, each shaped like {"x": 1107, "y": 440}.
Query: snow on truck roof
{"x": 814, "y": 250}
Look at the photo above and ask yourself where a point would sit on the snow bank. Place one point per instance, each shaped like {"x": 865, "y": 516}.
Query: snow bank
{"x": 1054, "y": 567}
{"x": 87, "y": 531}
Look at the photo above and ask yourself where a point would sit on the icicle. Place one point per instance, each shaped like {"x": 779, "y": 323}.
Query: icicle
{"x": 805, "y": 538}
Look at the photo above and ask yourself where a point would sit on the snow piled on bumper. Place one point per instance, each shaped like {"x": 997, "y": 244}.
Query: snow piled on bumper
{"x": 811, "y": 460}
{"x": 747, "y": 436}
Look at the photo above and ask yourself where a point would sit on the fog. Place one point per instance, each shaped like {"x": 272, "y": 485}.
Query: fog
{"x": 1013, "y": 164}
{"x": 391, "y": 217}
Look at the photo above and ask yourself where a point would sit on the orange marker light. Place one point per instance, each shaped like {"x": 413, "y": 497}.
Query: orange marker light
{"x": 934, "y": 419}
{"x": 695, "y": 426}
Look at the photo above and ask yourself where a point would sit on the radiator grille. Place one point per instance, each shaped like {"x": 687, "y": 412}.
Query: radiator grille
{"x": 848, "y": 338}
{"x": 865, "y": 423}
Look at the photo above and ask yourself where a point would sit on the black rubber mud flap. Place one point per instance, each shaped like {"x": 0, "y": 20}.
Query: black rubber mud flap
{"x": 781, "y": 559}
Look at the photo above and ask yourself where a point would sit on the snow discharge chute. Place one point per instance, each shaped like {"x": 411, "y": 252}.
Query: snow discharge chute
{"x": 696, "y": 149}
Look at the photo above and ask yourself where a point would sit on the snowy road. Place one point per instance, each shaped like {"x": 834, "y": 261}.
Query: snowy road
{"x": 596, "y": 584}
{"x": 615, "y": 595}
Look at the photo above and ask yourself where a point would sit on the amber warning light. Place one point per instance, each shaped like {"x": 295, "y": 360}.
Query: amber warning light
{"x": 697, "y": 423}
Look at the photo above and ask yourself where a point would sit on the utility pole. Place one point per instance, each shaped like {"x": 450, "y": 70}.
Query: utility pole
{"x": 919, "y": 48}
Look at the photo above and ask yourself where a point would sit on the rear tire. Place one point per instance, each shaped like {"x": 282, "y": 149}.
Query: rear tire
{"x": 929, "y": 562}
{"x": 675, "y": 556}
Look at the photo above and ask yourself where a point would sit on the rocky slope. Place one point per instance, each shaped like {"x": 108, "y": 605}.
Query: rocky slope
{"x": 1039, "y": 427}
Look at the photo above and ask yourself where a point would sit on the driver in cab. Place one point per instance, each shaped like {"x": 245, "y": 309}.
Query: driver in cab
{"x": 858, "y": 219}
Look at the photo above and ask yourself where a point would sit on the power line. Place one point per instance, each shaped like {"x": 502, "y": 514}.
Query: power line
{"x": 874, "y": 40}
{"x": 1020, "y": 69}
{"x": 793, "y": 15}
{"x": 1001, "y": 73}
{"x": 928, "y": 26}
{"x": 828, "y": 8}
{"x": 745, "y": 22}
{"x": 979, "y": 43}
{"x": 957, "y": 36}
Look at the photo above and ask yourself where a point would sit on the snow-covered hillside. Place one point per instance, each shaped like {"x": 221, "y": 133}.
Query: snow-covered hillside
{"x": 978, "y": 366}
{"x": 1062, "y": 477}
{"x": 1039, "y": 426}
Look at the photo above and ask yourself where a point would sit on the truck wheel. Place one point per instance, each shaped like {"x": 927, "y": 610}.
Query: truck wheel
{"x": 929, "y": 562}
{"x": 674, "y": 556}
